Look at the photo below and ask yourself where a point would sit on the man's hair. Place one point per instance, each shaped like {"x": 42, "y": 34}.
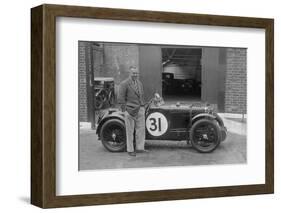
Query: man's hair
{"x": 132, "y": 67}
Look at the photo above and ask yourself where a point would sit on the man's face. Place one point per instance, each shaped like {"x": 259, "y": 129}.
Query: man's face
{"x": 134, "y": 73}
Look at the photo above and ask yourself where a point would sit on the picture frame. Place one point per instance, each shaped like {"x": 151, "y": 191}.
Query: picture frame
{"x": 43, "y": 105}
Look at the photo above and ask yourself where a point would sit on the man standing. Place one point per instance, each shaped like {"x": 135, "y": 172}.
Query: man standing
{"x": 131, "y": 99}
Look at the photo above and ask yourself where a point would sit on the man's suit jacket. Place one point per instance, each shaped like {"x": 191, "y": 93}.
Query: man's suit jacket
{"x": 129, "y": 97}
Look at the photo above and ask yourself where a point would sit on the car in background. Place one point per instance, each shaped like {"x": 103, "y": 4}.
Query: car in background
{"x": 170, "y": 85}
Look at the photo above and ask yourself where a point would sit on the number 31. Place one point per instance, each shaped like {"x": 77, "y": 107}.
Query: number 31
{"x": 155, "y": 124}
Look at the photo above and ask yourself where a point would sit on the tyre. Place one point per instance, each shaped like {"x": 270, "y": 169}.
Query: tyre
{"x": 205, "y": 135}
{"x": 113, "y": 135}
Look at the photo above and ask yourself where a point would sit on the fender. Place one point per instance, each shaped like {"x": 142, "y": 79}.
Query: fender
{"x": 218, "y": 118}
{"x": 109, "y": 114}
{"x": 214, "y": 116}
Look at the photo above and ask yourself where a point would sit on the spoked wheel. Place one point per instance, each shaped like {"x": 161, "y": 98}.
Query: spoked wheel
{"x": 100, "y": 99}
{"x": 113, "y": 135}
{"x": 98, "y": 102}
{"x": 111, "y": 100}
{"x": 205, "y": 135}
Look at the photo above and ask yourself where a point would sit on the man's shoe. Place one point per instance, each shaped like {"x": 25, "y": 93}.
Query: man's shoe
{"x": 142, "y": 151}
{"x": 132, "y": 154}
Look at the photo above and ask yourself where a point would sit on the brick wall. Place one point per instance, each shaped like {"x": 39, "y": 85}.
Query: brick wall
{"x": 236, "y": 80}
{"x": 82, "y": 52}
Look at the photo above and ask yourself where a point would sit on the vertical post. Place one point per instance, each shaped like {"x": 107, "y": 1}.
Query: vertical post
{"x": 92, "y": 88}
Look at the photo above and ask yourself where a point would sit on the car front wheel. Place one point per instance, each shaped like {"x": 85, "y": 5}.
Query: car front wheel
{"x": 205, "y": 135}
{"x": 113, "y": 135}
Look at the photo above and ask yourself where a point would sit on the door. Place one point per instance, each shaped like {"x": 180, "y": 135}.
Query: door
{"x": 210, "y": 75}
{"x": 150, "y": 65}
{"x": 213, "y": 76}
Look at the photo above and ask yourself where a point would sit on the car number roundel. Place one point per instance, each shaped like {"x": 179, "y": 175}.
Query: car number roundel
{"x": 156, "y": 124}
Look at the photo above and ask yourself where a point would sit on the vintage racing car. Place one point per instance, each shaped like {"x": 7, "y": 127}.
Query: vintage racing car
{"x": 197, "y": 124}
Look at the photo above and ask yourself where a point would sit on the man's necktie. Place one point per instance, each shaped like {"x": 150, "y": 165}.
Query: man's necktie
{"x": 136, "y": 86}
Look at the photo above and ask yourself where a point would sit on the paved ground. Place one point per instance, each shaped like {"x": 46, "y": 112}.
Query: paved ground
{"x": 165, "y": 153}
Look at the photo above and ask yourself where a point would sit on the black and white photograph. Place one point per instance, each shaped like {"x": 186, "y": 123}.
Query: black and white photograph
{"x": 134, "y": 106}
{"x": 160, "y": 105}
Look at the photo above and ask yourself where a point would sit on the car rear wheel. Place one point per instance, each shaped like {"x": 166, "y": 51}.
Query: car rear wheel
{"x": 113, "y": 135}
{"x": 205, "y": 135}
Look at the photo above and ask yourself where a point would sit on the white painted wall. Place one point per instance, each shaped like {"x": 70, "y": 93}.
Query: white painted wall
{"x": 15, "y": 105}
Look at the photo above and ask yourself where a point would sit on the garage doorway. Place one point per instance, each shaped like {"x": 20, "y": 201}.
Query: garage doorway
{"x": 181, "y": 74}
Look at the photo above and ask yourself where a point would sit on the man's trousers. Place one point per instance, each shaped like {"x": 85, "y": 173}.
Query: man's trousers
{"x": 135, "y": 123}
